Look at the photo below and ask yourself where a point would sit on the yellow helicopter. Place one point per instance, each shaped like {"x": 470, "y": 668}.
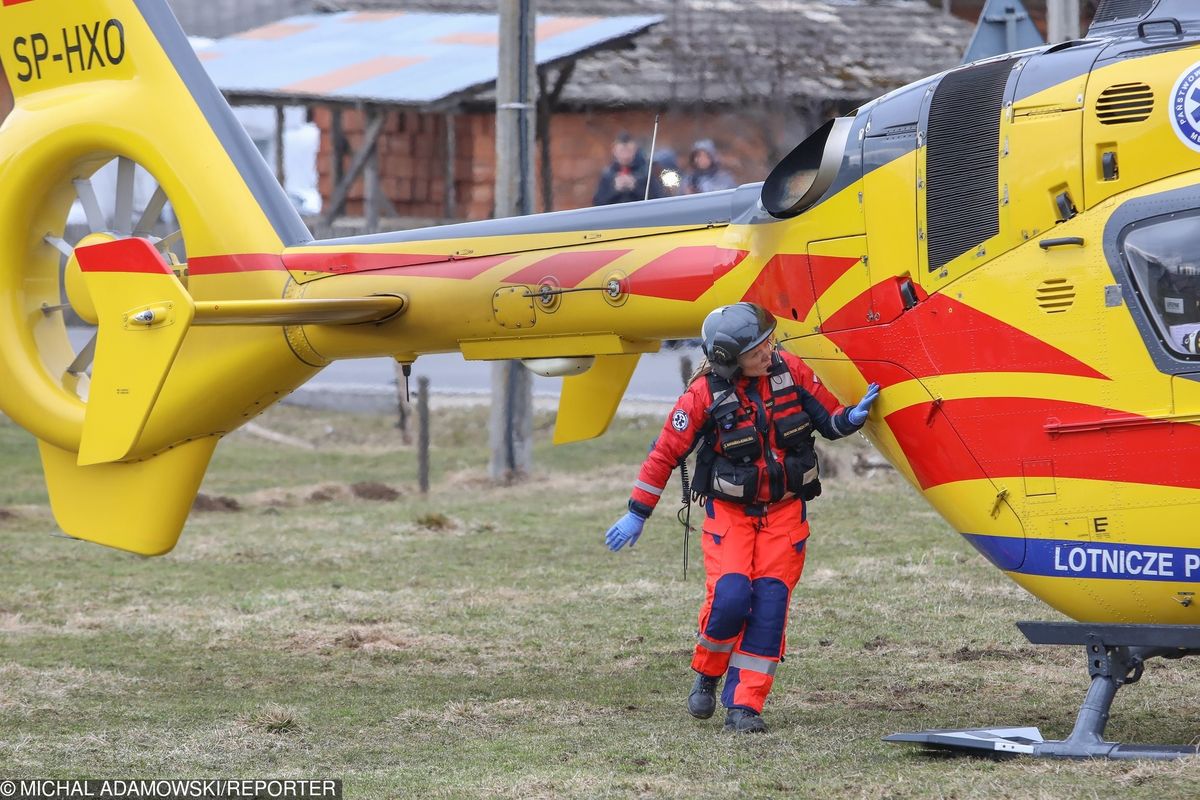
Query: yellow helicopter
{"x": 1011, "y": 248}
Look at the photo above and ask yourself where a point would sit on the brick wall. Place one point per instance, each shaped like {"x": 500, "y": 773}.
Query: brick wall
{"x": 412, "y": 153}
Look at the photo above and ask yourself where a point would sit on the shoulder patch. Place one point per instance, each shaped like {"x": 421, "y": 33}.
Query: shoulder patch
{"x": 679, "y": 420}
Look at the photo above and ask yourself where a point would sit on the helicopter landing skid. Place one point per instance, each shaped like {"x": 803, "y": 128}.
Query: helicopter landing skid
{"x": 1116, "y": 655}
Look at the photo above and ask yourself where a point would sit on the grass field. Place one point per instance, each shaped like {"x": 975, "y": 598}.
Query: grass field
{"x": 481, "y": 642}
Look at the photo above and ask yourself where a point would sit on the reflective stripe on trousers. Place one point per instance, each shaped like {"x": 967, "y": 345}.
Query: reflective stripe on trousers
{"x": 753, "y": 663}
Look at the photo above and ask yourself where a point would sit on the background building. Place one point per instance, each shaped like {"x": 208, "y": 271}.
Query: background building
{"x": 755, "y": 76}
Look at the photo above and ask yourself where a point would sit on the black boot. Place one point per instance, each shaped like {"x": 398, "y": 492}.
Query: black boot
{"x": 742, "y": 720}
{"x": 703, "y": 699}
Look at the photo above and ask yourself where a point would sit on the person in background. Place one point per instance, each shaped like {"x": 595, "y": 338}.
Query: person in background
{"x": 706, "y": 174}
{"x": 750, "y": 413}
{"x": 624, "y": 180}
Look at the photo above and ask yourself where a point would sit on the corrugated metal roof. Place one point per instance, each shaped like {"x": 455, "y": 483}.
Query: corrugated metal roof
{"x": 735, "y": 52}
{"x": 393, "y": 57}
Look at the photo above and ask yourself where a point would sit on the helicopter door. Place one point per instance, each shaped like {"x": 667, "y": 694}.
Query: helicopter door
{"x": 841, "y": 282}
{"x": 1041, "y": 172}
{"x": 890, "y": 201}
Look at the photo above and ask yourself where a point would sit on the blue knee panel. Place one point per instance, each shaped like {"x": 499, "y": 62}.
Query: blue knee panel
{"x": 768, "y": 614}
{"x": 730, "y": 605}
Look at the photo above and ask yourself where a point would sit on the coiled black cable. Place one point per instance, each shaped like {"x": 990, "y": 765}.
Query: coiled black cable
{"x": 685, "y": 514}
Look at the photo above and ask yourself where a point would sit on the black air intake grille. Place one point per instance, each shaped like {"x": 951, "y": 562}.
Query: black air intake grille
{"x": 1110, "y": 10}
{"x": 1125, "y": 102}
{"x": 962, "y": 171}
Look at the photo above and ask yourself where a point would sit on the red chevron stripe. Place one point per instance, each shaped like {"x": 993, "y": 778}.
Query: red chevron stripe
{"x": 784, "y": 287}
{"x": 684, "y": 273}
{"x": 1007, "y": 437}
{"x": 337, "y": 262}
{"x": 941, "y": 336}
{"x": 122, "y": 255}
{"x": 1007, "y": 433}
{"x": 567, "y": 268}
{"x": 408, "y": 265}
{"x": 934, "y": 450}
{"x": 246, "y": 262}
{"x": 826, "y": 270}
{"x": 460, "y": 269}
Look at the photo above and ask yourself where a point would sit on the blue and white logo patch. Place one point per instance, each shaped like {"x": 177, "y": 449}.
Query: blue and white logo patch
{"x": 679, "y": 420}
{"x": 1185, "y": 107}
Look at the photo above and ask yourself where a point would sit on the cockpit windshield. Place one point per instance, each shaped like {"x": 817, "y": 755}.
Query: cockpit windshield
{"x": 1165, "y": 259}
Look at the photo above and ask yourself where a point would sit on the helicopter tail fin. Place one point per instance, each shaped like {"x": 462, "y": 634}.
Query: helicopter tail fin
{"x": 136, "y": 506}
{"x": 144, "y": 313}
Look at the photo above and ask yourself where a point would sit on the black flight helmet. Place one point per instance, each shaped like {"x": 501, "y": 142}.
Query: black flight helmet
{"x": 730, "y": 331}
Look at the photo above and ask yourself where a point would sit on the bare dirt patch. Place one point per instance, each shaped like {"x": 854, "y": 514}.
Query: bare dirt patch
{"x": 373, "y": 490}
{"x": 279, "y": 497}
{"x": 965, "y": 653}
{"x": 369, "y": 639}
{"x": 210, "y": 502}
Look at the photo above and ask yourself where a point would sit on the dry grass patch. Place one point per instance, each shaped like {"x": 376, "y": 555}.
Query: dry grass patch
{"x": 25, "y": 690}
{"x": 274, "y": 719}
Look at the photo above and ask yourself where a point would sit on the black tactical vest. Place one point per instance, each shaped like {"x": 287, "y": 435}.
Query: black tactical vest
{"x": 735, "y": 442}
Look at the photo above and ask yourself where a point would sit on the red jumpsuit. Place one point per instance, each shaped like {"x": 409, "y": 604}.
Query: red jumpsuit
{"x": 753, "y": 554}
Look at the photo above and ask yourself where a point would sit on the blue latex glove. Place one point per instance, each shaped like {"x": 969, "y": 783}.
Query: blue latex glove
{"x": 858, "y": 414}
{"x": 625, "y": 532}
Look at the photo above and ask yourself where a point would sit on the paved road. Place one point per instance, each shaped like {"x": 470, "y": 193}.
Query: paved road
{"x": 370, "y": 383}
{"x": 658, "y": 375}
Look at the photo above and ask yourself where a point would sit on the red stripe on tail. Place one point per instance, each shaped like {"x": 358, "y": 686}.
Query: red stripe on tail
{"x": 123, "y": 255}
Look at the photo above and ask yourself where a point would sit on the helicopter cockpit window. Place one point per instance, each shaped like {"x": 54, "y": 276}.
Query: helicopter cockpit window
{"x": 1165, "y": 259}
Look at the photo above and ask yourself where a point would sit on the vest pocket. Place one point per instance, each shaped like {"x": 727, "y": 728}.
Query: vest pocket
{"x": 793, "y": 431}
{"x": 735, "y": 482}
{"x": 803, "y": 473}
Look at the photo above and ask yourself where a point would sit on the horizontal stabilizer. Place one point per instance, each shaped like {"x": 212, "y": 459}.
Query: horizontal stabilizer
{"x": 143, "y": 313}
{"x": 140, "y": 507}
{"x": 589, "y": 401}
{"x": 992, "y": 740}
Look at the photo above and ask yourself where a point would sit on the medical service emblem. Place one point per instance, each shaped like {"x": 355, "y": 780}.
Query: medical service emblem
{"x": 1185, "y": 107}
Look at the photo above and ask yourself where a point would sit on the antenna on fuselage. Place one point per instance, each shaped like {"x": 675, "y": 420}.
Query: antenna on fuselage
{"x": 650, "y": 164}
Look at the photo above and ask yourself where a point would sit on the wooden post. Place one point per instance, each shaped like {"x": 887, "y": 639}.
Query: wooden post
{"x": 365, "y": 153}
{"x": 543, "y": 139}
{"x": 337, "y": 146}
{"x": 1062, "y": 21}
{"x": 511, "y": 424}
{"x": 371, "y": 189}
{"x": 450, "y": 197}
{"x": 423, "y": 434}
{"x": 547, "y": 100}
{"x": 280, "y": 123}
